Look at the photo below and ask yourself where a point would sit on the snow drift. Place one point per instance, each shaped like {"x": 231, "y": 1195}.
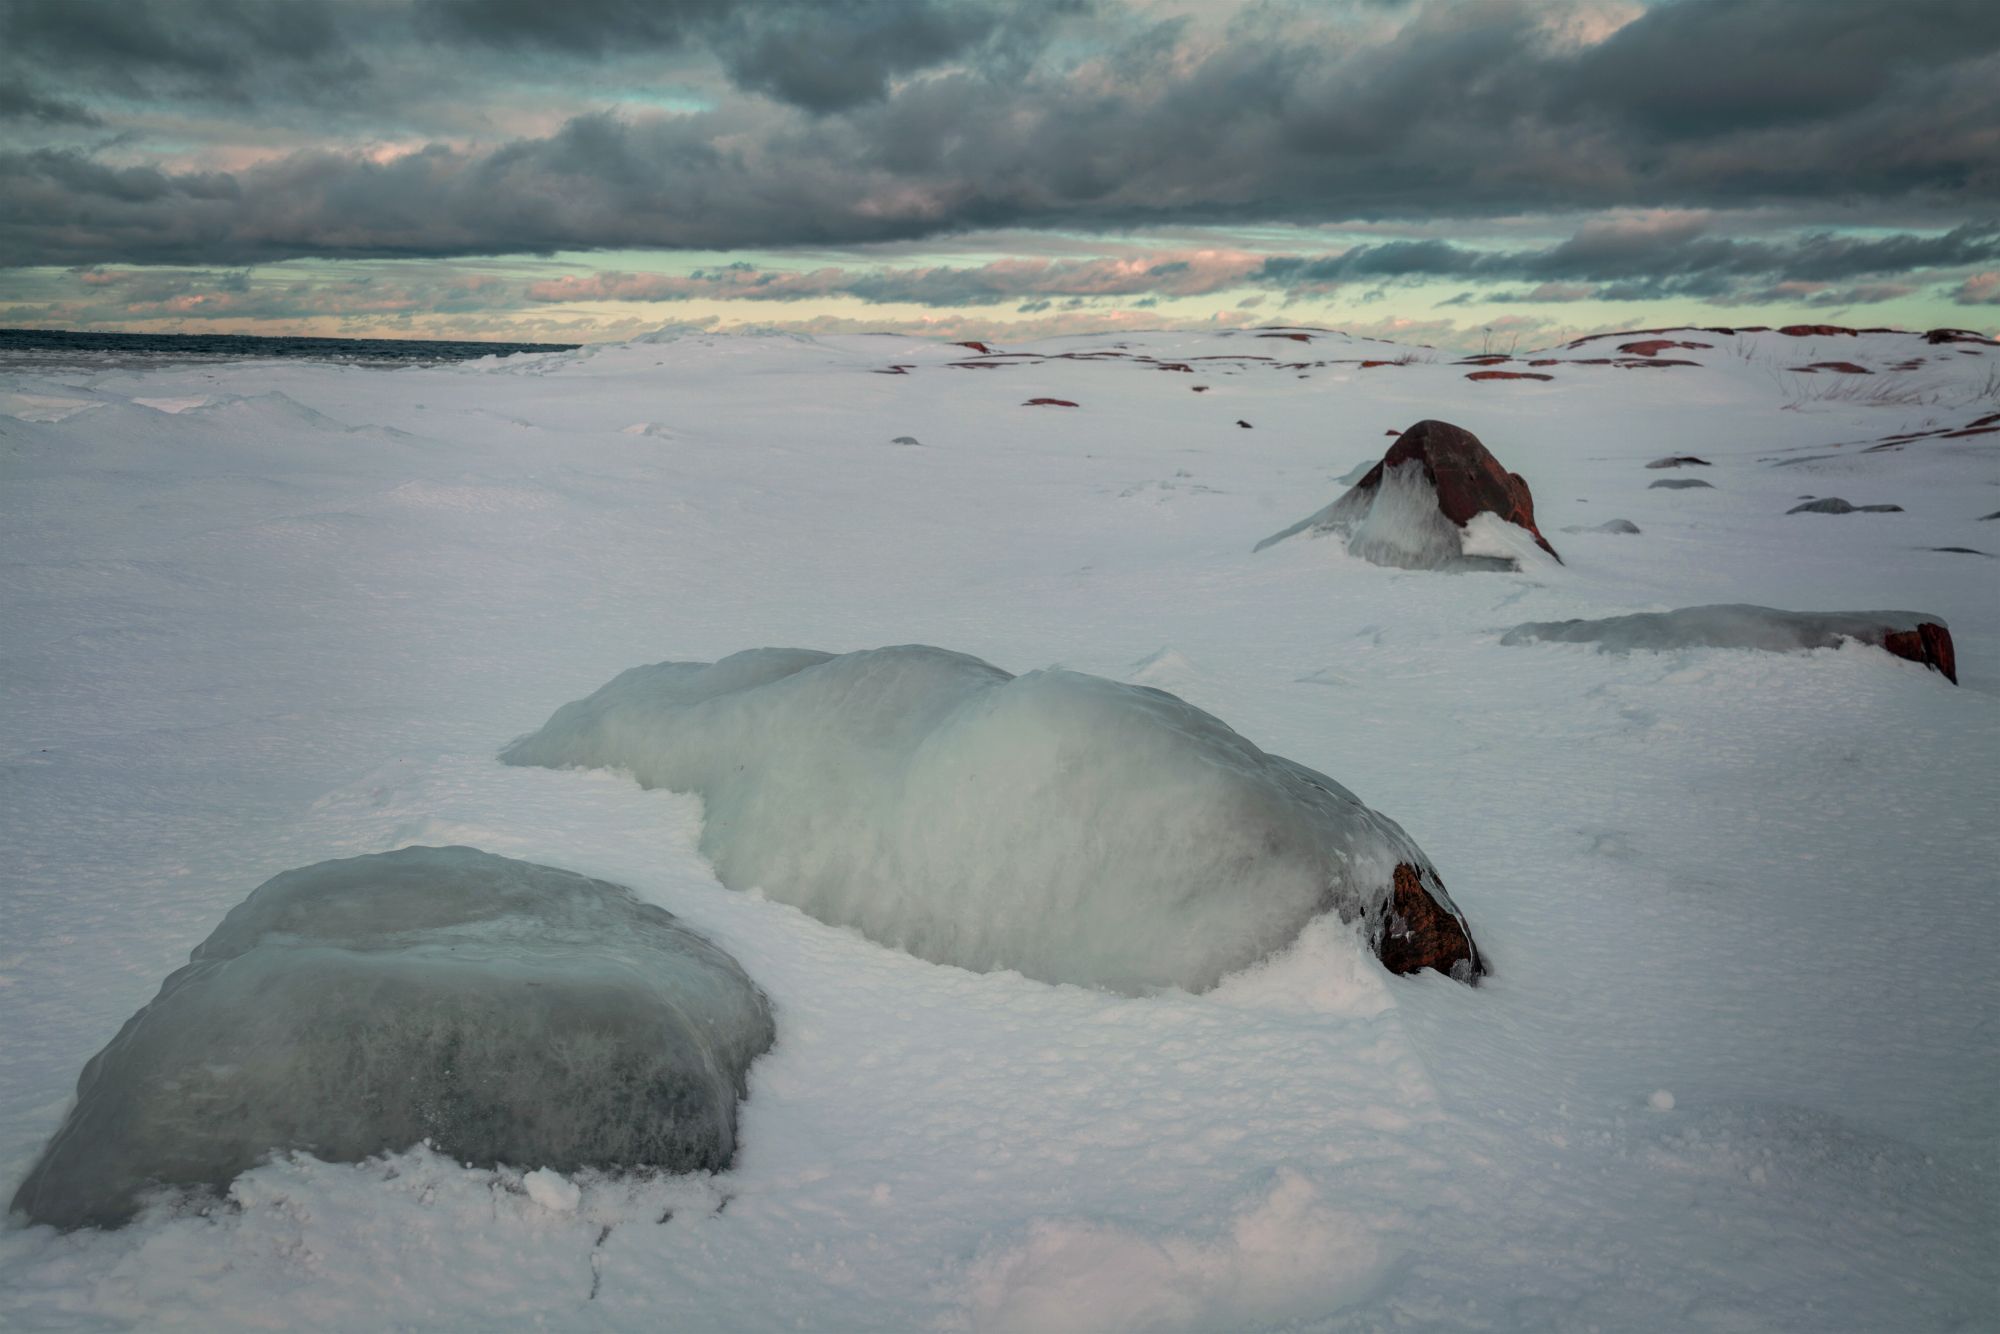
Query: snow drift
{"x": 503, "y": 1011}
{"x": 1068, "y": 827}
{"x": 1918, "y": 636}
{"x": 1438, "y": 500}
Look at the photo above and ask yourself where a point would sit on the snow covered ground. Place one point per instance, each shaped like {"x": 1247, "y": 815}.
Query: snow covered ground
{"x": 1735, "y": 1066}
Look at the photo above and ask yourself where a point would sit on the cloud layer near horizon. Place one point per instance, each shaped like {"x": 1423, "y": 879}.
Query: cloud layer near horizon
{"x": 844, "y": 122}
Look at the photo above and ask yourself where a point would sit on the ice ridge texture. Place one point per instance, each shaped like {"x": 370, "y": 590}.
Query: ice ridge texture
{"x": 506, "y": 1012}
{"x": 1068, "y": 827}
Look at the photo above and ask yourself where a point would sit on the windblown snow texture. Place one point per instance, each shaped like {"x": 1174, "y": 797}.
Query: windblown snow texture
{"x": 500, "y": 1010}
{"x": 1067, "y": 827}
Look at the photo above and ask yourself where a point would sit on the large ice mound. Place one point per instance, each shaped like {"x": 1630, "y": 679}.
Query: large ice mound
{"x": 1065, "y": 826}
{"x": 1918, "y": 636}
{"x": 504, "y": 1011}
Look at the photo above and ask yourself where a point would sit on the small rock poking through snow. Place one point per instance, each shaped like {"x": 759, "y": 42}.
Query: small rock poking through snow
{"x": 1065, "y": 826}
{"x": 1430, "y": 504}
{"x": 1915, "y": 635}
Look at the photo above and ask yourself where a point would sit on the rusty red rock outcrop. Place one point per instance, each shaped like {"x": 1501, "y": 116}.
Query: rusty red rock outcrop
{"x": 1466, "y": 476}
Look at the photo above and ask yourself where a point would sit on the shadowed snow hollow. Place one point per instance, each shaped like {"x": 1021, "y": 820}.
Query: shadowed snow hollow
{"x": 503, "y": 1011}
{"x": 1068, "y": 827}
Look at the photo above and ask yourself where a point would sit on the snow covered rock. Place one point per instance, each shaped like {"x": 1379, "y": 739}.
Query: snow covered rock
{"x": 1835, "y": 505}
{"x": 1681, "y": 484}
{"x": 1625, "y": 526}
{"x": 1068, "y": 827}
{"x": 1415, "y": 508}
{"x": 1917, "y": 636}
{"x": 503, "y": 1011}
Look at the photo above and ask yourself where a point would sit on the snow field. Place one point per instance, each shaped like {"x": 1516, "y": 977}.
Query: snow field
{"x": 252, "y": 635}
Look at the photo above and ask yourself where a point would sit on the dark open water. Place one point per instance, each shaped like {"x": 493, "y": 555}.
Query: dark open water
{"x": 23, "y": 349}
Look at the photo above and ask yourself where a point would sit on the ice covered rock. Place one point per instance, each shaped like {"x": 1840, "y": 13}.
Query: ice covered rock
{"x": 1681, "y": 484}
{"x": 1414, "y": 508}
{"x": 503, "y": 1011}
{"x": 1065, "y": 826}
{"x": 1680, "y": 461}
{"x": 1915, "y": 635}
{"x": 1625, "y": 526}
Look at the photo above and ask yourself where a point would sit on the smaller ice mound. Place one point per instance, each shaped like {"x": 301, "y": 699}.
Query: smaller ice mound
{"x": 1067, "y": 827}
{"x": 1681, "y": 484}
{"x": 505, "y": 1012}
{"x": 1625, "y": 526}
{"x": 1917, "y": 636}
{"x": 1438, "y": 500}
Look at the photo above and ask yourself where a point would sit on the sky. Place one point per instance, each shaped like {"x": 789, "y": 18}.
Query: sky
{"x": 1465, "y": 173}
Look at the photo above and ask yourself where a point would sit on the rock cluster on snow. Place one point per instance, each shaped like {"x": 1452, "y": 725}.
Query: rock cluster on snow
{"x": 1068, "y": 827}
{"x": 502, "y": 1011}
{"x": 1835, "y": 505}
{"x": 1917, "y": 636}
{"x": 1414, "y": 507}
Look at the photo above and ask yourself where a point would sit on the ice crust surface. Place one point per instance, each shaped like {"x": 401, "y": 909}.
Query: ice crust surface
{"x": 1067, "y": 827}
{"x": 242, "y": 640}
{"x": 498, "y": 1011}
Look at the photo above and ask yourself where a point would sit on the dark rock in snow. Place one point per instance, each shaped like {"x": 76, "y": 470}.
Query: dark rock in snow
{"x": 1441, "y": 466}
{"x": 1680, "y": 484}
{"x": 1244, "y": 424}
{"x": 1680, "y": 461}
{"x": 1839, "y": 367}
{"x": 505, "y": 1012}
{"x": 1609, "y": 526}
{"x": 1508, "y": 375}
{"x": 1986, "y": 517}
{"x": 1652, "y": 347}
{"x": 906, "y": 440}
{"x": 1048, "y": 403}
{"x": 1917, "y": 636}
{"x": 1835, "y": 505}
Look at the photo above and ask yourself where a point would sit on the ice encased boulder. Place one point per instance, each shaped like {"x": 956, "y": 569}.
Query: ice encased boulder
{"x": 1437, "y": 500}
{"x": 1068, "y": 827}
{"x": 506, "y": 1012}
{"x": 1915, "y": 635}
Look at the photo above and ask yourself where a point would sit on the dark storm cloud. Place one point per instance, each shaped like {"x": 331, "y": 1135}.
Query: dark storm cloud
{"x": 1646, "y": 258}
{"x": 852, "y": 121}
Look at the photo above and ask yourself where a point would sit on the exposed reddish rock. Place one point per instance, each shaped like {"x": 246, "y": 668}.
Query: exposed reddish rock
{"x": 974, "y": 345}
{"x": 1392, "y": 432}
{"x": 1295, "y": 337}
{"x": 1648, "y": 363}
{"x": 1175, "y": 366}
{"x": 894, "y": 370}
{"x": 1466, "y": 476}
{"x": 1972, "y": 430}
{"x": 1483, "y": 359}
{"x": 1508, "y": 375}
{"x": 1937, "y": 336}
{"x": 1815, "y": 331}
{"x": 1839, "y": 367}
{"x": 1990, "y": 419}
{"x": 1371, "y": 365}
{"x": 1930, "y": 644}
{"x": 1546, "y": 361}
{"x": 1048, "y": 403}
{"x": 1417, "y": 932}
{"x": 1654, "y": 346}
